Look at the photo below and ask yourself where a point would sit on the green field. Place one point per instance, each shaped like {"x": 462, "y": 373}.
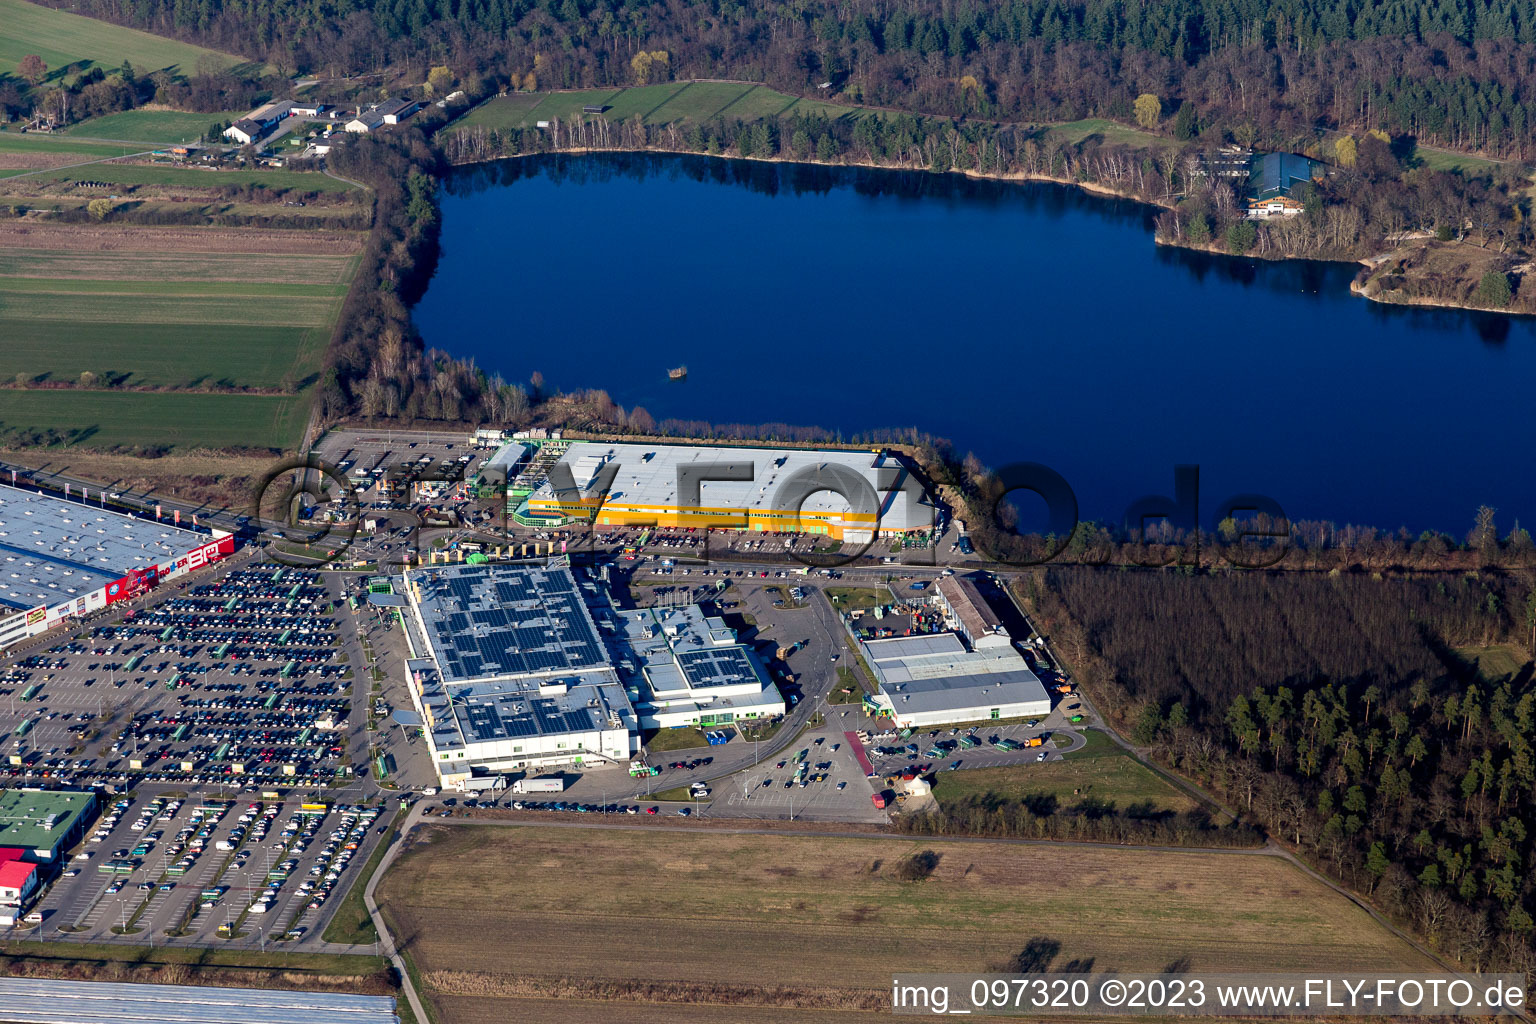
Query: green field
{"x": 133, "y": 418}
{"x": 33, "y": 142}
{"x": 152, "y": 126}
{"x": 69, "y": 43}
{"x": 1445, "y": 160}
{"x": 168, "y": 319}
{"x": 1114, "y": 778}
{"x": 163, "y": 333}
{"x": 1075, "y": 132}
{"x": 656, "y": 104}
{"x": 1495, "y": 663}
{"x": 195, "y": 177}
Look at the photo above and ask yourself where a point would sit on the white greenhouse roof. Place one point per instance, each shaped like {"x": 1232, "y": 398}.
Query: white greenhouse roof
{"x": 38, "y": 1001}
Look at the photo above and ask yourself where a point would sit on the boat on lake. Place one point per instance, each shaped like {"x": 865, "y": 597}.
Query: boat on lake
{"x": 677, "y": 373}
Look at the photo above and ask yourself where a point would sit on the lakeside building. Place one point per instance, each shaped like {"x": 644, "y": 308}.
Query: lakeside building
{"x": 933, "y": 679}
{"x": 43, "y": 823}
{"x": 786, "y": 490}
{"x": 61, "y": 559}
{"x": 1271, "y": 181}
{"x": 518, "y": 667}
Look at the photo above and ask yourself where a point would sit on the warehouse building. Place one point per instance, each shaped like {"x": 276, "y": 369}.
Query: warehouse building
{"x": 44, "y": 823}
{"x": 683, "y": 668}
{"x": 933, "y": 679}
{"x": 847, "y": 495}
{"x": 60, "y": 559}
{"x": 508, "y": 672}
{"x": 969, "y": 613}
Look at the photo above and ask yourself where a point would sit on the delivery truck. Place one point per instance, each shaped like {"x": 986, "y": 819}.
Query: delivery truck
{"x": 542, "y": 784}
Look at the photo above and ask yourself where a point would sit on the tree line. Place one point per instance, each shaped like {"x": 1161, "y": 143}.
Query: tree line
{"x": 1452, "y": 72}
{"x": 1345, "y": 715}
{"x": 97, "y": 91}
{"x": 1043, "y": 817}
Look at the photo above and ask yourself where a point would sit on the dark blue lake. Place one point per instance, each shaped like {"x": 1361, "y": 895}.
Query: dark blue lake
{"x": 1022, "y": 322}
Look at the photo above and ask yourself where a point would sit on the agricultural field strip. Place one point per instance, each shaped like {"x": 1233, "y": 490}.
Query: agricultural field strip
{"x": 34, "y": 143}
{"x": 182, "y": 289}
{"x": 115, "y": 173}
{"x": 179, "y": 418}
{"x": 22, "y": 305}
{"x": 174, "y": 269}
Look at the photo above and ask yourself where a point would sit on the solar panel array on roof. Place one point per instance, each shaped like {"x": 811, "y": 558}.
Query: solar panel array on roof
{"x": 718, "y": 667}
{"x": 36, "y": 1001}
{"x": 507, "y": 621}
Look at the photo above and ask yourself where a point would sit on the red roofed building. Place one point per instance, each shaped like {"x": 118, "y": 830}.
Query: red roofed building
{"x": 10, "y": 853}
{"x": 17, "y": 880}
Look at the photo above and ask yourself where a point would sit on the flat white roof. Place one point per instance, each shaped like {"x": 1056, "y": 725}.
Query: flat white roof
{"x": 648, "y": 476}
{"x": 53, "y": 550}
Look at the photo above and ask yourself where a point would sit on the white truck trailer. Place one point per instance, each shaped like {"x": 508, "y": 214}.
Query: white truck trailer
{"x": 542, "y": 784}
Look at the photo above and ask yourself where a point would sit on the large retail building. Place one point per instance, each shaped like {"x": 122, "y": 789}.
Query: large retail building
{"x": 852, "y": 495}
{"x": 516, "y": 667}
{"x": 61, "y": 559}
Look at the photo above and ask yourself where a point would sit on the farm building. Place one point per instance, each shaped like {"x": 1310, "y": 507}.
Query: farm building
{"x": 364, "y": 123}
{"x": 245, "y": 131}
{"x": 42, "y": 824}
{"x": 849, "y": 495}
{"x": 65, "y": 558}
{"x": 933, "y": 680}
{"x": 375, "y": 117}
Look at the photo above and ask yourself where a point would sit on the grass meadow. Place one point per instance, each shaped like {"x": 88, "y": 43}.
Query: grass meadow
{"x": 151, "y": 127}
{"x": 1114, "y": 778}
{"x": 70, "y": 43}
{"x": 667, "y": 103}
{"x": 194, "y": 177}
{"x": 544, "y": 923}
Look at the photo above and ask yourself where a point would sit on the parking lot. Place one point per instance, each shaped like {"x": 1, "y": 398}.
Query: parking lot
{"x": 209, "y": 871}
{"x": 233, "y": 681}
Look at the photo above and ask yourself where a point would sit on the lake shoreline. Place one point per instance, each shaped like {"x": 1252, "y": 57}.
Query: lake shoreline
{"x": 1093, "y": 188}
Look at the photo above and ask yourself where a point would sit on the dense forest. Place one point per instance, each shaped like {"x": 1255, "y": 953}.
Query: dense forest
{"x": 1345, "y": 714}
{"x": 1461, "y": 73}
